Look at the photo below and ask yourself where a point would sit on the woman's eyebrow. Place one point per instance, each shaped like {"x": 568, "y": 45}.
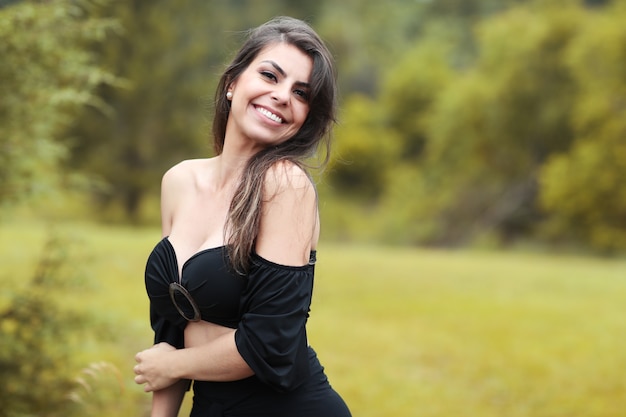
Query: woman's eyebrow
{"x": 282, "y": 72}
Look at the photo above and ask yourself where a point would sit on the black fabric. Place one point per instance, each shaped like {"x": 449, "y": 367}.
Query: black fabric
{"x": 252, "y": 398}
{"x": 269, "y": 309}
{"x": 271, "y": 336}
{"x": 208, "y": 279}
{"x": 161, "y": 270}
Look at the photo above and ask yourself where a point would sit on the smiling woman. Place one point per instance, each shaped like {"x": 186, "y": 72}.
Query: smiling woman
{"x": 230, "y": 283}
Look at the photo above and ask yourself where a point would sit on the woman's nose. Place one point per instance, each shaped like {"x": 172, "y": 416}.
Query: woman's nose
{"x": 281, "y": 95}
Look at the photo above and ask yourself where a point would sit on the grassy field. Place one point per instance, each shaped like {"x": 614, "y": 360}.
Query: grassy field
{"x": 402, "y": 332}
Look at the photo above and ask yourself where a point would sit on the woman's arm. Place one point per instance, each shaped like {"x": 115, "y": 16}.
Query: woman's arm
{"x": 161, "y": 366}
{"x": 167, "y": 402}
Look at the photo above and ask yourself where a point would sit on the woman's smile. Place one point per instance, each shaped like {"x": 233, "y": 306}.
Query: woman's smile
{"x": 269, "y": 114}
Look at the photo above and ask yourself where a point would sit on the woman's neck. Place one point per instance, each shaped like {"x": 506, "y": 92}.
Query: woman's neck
{"x": 229, "y": 167}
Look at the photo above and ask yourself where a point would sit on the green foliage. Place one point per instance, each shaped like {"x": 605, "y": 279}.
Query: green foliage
{"x": 53, "y": 343}
{"x": 38, "y": 338}
{"x": 410, "y": 89}
{"x": 365, "y": 150}
{"x": 150, "y": 115}
{"x": 584, "y": 189}
{"x": 353, "y": 30}
{"x": 370, "y": 37}
{"x": 492, "y": 134}
{"x": 495, "y": 126}
{"x": 47, "y": 73}
{"x": 461, "y": 120}
{"x": 98, "y": 391}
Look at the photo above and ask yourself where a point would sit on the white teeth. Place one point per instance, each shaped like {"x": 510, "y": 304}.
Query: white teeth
{"x": 269, "y": 115}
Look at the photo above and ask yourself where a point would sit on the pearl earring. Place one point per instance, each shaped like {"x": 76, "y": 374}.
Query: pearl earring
{"x": 229, "y": 95}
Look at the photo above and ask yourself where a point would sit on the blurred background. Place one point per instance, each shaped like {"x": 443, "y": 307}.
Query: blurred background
{"x": 473, "y": 211}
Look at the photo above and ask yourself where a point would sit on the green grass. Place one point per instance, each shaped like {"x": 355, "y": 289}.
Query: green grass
{"x": 404, "y": 332}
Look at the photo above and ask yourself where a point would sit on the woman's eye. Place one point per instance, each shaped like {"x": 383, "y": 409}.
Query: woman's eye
{"x": 269, "y": 75}
{"x": 302, "y": 94}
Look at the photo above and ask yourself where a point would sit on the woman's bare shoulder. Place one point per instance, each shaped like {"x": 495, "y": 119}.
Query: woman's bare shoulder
{"x": 177, "y": 184}
{"x": 183, "y": 174}
{"x": 287, "y": 176}
{"x": 289, "y": 221}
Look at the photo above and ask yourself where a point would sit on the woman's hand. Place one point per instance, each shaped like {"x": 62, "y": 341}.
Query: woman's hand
{"x": 152, "y": 367}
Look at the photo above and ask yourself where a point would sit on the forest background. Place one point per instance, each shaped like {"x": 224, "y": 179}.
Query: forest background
{"x": 463, "y": 123}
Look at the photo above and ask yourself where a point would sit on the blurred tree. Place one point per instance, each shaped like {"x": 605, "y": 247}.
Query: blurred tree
{"x": 47, "y": 73}
{"x": 4, "y": 3}
{"x": 597, "y": 2}
{"x": 366, "y": 37}
{"x": 584, "y": 190}
{"x": 493, "y": 127}
{"x": 465, "y": 8}
{"x": 157, "y": 117}
{"x": 364, "y": 152}
{"x": 409, "y": 90}
{"x": 39, "y": 339}
{"x": 376, "y": 137}
{"x": 369, "y": 37}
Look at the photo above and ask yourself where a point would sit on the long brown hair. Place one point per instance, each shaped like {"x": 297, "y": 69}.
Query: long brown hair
{"x": 244, "y": 214}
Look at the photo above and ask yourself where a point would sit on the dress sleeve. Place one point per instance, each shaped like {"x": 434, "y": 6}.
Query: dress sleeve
{"x": 271, "y": 336}
{"x": 160, "y": 268}
{"x": 165, "y": 330}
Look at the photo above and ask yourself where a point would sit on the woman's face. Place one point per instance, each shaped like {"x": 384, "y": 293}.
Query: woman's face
{"x": 270, "y": 98}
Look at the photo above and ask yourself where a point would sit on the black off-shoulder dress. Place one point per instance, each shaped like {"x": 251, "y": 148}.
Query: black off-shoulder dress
{"x": 268, "y": 308}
